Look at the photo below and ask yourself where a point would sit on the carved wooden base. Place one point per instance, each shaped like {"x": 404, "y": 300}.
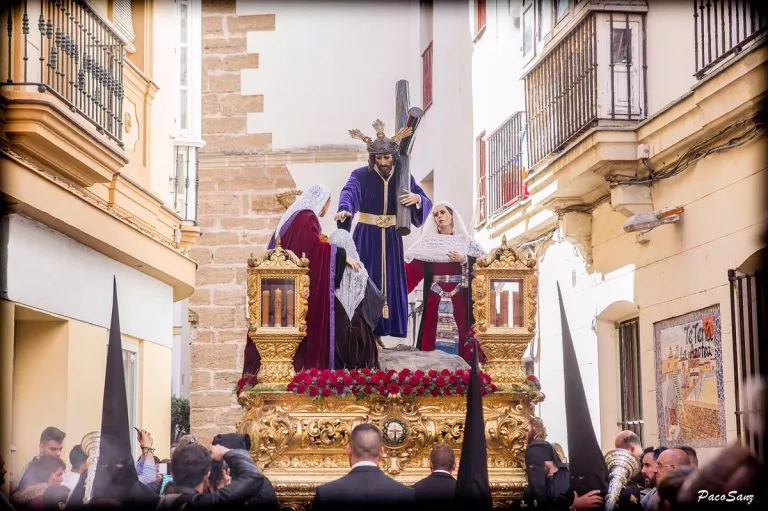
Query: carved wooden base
{"x": 294, "y": 436}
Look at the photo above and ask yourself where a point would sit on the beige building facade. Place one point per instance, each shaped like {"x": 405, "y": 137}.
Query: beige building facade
{"x": 88, "y": 191}
{"x": 633, "y": 113}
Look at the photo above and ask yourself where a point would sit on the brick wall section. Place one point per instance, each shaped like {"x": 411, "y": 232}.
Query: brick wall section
{"x": 237, "y": 212}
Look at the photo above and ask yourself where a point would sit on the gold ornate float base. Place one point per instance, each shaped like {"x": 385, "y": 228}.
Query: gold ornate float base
{"x": 300, "y": 443}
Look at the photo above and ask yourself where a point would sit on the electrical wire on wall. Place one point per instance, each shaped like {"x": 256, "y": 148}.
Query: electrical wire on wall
{"x": 698, "y": 152}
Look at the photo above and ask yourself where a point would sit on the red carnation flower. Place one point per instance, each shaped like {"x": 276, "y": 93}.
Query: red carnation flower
{"x": 368, "y": 390}
{"x": 426, "y": 380}
{"x": 291, "y": 387}
{"x": 313, "y": 372}
{"x": 322, "y": 380}
{"x": 421, "y": 391}
{"x": 252, "y": 380}
{"x": 340, "y": 373}
{"x": 377, "y": 378}
{"x": 418, "y": 373}
{"x": 381, "y": 388}
{"x": 301, "y": 388}
{"x": 402, "y": 377}
{"x": 406, "y": 390}
{"x": 360, "y": 380}
{"x": 432, "y": 373}
{"x": 460, "y": 390}
{"x": 453, "y": 379}
{"x": 313, "y": 391}
{"x": 492, "y": 387}
{"x": 441, "y": 381}
{"x": 447, "y": 391}
{"x": 306, "y": 379}
{"x": 466, "y": 375}
{"x": 393, "y": 388}
{"x": 241, "y": 383}
{"x": 366, "y": 371}
{"x": 391, "y": 373}
{"x": 435, "y": 392}
{"x": 483, "y": 391}
{"x": 406, "y": 372}
{"x": 354, "y": 372}
{"x": 445, "y": 372}
{"x": 326, "y": 392}
{"x": 414, "y": 379}
{"x": 340, "y": 389}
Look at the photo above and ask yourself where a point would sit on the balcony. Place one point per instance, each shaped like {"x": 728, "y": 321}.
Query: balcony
{"x": 594, "y": 76}
{"x": 506, "y": 164}
{"x": 724, "y": 29}
{"x": 62, "y": 86}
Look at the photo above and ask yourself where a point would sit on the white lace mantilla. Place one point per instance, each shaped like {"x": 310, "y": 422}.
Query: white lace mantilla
{"x": 353, "y": 284}
{"x": 433, "y": 247}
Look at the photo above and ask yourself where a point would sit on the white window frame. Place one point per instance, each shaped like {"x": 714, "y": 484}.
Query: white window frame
{"x": 192, "y": 133}
{"x": 133, "y": 348}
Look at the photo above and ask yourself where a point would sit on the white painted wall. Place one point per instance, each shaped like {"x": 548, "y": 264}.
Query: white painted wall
{"x": 165, "y": 72}
{"x": 49, "y": 271}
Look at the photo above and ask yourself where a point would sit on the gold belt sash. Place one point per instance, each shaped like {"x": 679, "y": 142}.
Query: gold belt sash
{"x": 381, "y": 221}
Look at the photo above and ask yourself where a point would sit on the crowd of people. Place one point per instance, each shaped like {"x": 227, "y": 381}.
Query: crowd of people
{"x": 221, "y": 475}
{"x": 669, "y": 479}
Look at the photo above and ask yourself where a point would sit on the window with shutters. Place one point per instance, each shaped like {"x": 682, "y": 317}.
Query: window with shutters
{"x": 631, "y": 384}
{"x": 122, "y": 17}
{"x": 426, "y": 77}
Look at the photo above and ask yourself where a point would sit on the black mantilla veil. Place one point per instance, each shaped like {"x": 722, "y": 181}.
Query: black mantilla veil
{"x": 586, "y": 463}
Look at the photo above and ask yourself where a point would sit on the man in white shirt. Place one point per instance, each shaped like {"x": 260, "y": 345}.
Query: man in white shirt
{"x": 78, "y": 459}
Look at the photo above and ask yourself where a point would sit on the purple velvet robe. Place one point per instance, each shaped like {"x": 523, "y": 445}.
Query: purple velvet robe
{"x": 364, "y": 192}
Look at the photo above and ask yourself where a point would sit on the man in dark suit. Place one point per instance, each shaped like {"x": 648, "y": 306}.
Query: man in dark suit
{"x": 440, "y": 485}
{"x": 366, "y": 484}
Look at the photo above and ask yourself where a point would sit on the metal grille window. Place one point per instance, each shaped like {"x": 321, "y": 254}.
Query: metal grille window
{"x": 185, "y": 183}
{"x": 482, "y": 181}
{"x": 631, "y": 384}
{"x": 426, "y": 77}
{"x": 750, "y": 354}
{"x": 722, "y": 29}
{"x": 506, "y": 161}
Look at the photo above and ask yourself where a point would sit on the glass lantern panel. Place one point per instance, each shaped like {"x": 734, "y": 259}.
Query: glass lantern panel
{"x": 278, "y": 302}
{"x": 506, "y": 302}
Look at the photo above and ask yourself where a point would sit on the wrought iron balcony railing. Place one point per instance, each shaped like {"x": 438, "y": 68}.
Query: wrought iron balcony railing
{"x": 506, "y": 164}
{"x": 595, "y": 73}
{"x": 722, "y": 29}
{"x": 64, "y": 48}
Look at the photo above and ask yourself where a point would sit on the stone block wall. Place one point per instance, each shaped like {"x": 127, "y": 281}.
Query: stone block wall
{"x": 238, "y": 210}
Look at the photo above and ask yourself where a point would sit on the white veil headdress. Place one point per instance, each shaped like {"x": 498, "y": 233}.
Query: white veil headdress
{"x": 433, "y": 247}
{"x": 352, "y": 289}
{"x": 313, "y": 199}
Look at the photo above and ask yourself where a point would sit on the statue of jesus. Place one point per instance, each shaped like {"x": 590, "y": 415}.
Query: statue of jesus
{"x": 372, "y": 194}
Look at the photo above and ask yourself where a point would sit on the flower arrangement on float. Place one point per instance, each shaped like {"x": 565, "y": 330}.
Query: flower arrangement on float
{"x": 367, "y": 383}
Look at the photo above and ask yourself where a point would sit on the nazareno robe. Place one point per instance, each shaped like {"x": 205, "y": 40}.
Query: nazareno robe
{"x": 462, "y": 302}
{"x": 365, "y": 192}
{"x": 301, "y": 235}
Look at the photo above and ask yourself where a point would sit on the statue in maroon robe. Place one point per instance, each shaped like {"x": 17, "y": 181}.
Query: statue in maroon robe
{"x": 443, "y": 258}
{"x": 299, "y": 231}
{"x": 371, "y": 193}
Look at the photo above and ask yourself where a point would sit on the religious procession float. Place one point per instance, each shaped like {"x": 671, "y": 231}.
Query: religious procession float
{"x": 300, "y": 423}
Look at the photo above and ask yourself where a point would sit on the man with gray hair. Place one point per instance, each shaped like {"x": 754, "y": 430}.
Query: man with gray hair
{"x": 366, "y": 484}
{"x": 440, "y": 485}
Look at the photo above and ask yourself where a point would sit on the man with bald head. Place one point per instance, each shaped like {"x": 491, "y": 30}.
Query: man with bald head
{"x": 440, "y": 485}
{"x": 630, "y": 441}
{"x": 366, "y": 484}
{"x": 666, "y": 463}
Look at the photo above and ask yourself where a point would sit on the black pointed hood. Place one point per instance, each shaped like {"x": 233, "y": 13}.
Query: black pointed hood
{"x": 585, "y": 459}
